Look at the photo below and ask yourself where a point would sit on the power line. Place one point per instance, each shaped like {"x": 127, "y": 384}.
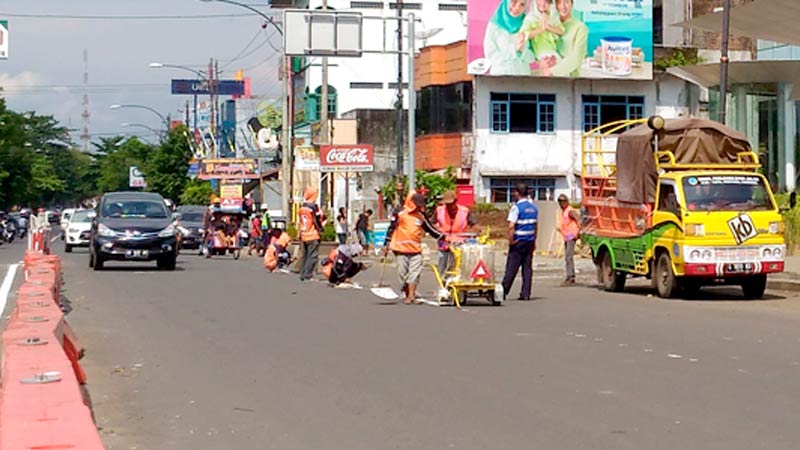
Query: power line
{"x": 125, "y": 17}
{"x": 241, "y": 54}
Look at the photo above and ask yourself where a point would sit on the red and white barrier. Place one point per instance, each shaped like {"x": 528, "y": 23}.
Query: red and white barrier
{"x": 42, "y": 405}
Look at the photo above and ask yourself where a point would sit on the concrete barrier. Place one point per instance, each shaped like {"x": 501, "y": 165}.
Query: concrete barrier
{"x": 42, "y": 405}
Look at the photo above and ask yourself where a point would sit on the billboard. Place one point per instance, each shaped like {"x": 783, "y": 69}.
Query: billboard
{"x": 347, "y": 158}
{"x": 3, "y": 39}
{"x": 202, "y": 87}
{"x": 136, "y": 178}
{"x": 561, "y": 38}
{"x": 228, "y": 168}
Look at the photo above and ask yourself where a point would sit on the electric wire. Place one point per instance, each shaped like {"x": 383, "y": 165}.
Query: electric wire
{"x": 241, "y": 53}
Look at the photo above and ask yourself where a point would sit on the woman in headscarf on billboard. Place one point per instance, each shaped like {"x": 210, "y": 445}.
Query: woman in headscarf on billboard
{"x": 572, "y": 45}
{"x": 505, "y": 44}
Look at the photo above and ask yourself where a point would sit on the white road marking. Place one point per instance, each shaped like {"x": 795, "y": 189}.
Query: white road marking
{"x": 55, "y": 238}
{"x": 5, "y": 288}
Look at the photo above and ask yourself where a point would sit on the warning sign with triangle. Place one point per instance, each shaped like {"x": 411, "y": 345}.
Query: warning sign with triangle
{"x": 480, "y": 271}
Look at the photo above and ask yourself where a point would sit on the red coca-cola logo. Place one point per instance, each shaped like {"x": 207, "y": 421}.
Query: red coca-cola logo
{"x": 352, "y": 156}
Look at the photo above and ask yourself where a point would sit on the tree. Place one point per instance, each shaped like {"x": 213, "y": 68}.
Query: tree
{"x": 166, "y": 165}
{"x": 115, "y": 157}
{"x": 196, "y": 192}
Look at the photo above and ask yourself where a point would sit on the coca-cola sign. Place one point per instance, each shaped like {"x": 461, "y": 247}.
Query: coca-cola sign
{"x": 347, "y": 158}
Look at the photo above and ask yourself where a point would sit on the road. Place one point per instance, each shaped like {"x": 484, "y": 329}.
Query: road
{"x": 221, "y": 355}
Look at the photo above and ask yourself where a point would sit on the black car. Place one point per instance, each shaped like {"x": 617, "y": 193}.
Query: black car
{"x": 190, "y": 226}
{"x": 133, "y": 226}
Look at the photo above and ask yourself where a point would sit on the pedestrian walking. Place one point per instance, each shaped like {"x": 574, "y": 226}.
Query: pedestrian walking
{"x": 569, "y": 225}
{"x": 404, "y": 238}
{"x": 311, "y": 222}
{"x": 341, "y": 226}
{"x": 453, "y": 220}
{"x": 523, "y": 226}
{"x": 362, "y": 225}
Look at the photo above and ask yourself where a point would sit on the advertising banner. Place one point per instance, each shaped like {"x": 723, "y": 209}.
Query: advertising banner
{"x": 136, "y": 178}
{"x": 561, "y": 38}
{"x": 203, "y": 87}
{"x": 3, "y": 39}
{"x": 234, "y": 169}
{"x": 347, "y": 158}
{"x": 306, "y": 159}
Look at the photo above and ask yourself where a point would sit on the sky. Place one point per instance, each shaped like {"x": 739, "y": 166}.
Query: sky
{"x": 44, "y": 71}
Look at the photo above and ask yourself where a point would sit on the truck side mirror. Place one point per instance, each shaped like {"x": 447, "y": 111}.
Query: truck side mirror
{"x": 792, "y": 200}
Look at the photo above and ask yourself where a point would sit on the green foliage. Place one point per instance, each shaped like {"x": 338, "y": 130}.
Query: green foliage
{"x": 328, "y": 232}
{"x": 115, "y": 156}
{"x": 436, "y": 185}
{"x": 484, "y": 208}
{"x": 678, "y": 57}
{"x": 270, "y": 117}
{"x": 166, "y": 164}
{"x": 791, "y": 217}
{"x": 291, "y": 230}
{"x": 389, "y": 191}
{"x": 196, "y": 192}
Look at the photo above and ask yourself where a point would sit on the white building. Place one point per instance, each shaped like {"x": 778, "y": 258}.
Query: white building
{"x": 529, "y": 129}
{"x": 370, "y": 82}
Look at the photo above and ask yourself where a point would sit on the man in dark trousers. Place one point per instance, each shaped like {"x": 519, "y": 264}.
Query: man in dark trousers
{"x": 523, "y": 225}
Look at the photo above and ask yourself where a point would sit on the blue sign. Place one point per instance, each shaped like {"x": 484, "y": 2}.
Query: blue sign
{"x": 201, "y": 87}
{"x": 194, "y": 169}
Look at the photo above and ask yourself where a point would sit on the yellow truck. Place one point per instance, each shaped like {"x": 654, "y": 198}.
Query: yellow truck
{"x": 680, "y": 202}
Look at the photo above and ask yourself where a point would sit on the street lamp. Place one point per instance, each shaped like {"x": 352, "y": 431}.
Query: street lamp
{"x": 141, "y": 125}
{"x": 286, "y": 140}
{"x": 160, "y": 116}
{"x": 199, "y": 74}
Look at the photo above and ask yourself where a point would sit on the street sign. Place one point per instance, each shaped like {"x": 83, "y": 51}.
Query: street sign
{"x": 480, "y": 271}
{"x": 228, "y": 168}
{"x": 3, "y": 39}
{"x": 347, "y": 158}
{"x": 136, "y": 178}
{"x": 201, "y": 87}
{"x": 322, "y": 33}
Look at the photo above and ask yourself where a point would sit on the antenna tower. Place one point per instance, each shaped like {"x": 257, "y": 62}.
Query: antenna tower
{"x": 85, "y": 136}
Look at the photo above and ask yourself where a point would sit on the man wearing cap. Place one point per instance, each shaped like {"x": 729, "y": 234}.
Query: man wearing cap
{"x": 569, "y": 225}
{"x": 453, "y": 220}
{"x": 404, "y": 238}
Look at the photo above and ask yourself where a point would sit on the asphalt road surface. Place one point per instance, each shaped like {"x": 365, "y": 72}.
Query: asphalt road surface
{"x": 221, "y": 355}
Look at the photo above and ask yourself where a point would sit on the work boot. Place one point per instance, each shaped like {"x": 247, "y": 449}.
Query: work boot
{"x": 568, "y": 282}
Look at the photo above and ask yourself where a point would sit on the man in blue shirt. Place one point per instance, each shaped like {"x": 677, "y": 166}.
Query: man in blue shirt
{"x": 523, "y": 225}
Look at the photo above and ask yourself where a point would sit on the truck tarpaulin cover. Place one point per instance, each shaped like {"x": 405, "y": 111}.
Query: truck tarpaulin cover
{"x": 692, "y": 141}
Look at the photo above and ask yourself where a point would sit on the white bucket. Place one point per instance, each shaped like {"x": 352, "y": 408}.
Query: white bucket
{"x": 617, "y": 55}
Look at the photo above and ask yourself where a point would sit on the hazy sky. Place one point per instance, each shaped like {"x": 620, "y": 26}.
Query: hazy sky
{"x": 45, "y": 69}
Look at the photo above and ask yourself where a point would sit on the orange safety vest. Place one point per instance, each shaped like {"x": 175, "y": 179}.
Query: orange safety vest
{"x": 568, "y": 225}
{"x": 328, "y": 268}
{"x": 452, "y": 227}
{"x": 271, "y": 258}
{"x": 407, "y": 237}
{"x": 308, "y": 229}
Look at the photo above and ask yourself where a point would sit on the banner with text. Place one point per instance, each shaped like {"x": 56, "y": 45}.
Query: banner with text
{"x": 561, "y": 38}
{"x": 347, "y": 158}
{"x": 3, "y": 39}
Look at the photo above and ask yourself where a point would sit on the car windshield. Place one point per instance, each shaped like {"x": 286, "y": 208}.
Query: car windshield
{"x": 81, "y": 217}
{"x": 726, "y": 193}
{"x": 134, "y": 209}
{"x": 192, "y": 217}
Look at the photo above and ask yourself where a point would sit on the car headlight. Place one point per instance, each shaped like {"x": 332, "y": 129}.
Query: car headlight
{"x": 777, "y": 227}
{"x": 167, "y": 232}
{"x": 104, "y": 231}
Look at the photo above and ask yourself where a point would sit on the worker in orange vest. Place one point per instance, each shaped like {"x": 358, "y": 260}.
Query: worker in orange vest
{"x": 453, "y": 220}
{"x": 404, "y": 238}
{"x": 568, "y": 222}
{"x": 312, "y": 220}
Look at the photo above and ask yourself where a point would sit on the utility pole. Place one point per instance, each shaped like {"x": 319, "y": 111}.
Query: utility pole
{"x": 323, "y": 100}
{"x": 399, "y": 103}
{"x": 218, "y": 131}
{"x": 211, "y": 116}
{"x": 723, "y": 67}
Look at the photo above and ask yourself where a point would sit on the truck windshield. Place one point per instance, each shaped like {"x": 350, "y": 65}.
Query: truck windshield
{"x": 726, "y": 193}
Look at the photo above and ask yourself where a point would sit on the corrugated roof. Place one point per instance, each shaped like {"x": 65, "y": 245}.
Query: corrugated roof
{"x": 772, "y": 20}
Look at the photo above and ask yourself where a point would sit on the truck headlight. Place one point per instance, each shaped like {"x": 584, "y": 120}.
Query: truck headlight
{"x": 694, "y": 255}
{"x": 707, "y": 255}
{"x": 167, "y": 232}
{"x": 777, "y": 227}
{"x": 695, "y": 229}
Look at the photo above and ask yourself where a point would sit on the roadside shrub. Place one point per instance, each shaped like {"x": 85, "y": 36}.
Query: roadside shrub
{"x": 484, "y": 208}
{"x": 791, "y": 218}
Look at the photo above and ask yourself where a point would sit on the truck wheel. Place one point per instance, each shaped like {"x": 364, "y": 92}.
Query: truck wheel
{"x": 666, "y": 285}
{"x": 610, "y": 279}
{"x": 753, "y": 287}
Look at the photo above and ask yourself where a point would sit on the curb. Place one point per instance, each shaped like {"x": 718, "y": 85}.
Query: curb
{"x": 783, "y": 285}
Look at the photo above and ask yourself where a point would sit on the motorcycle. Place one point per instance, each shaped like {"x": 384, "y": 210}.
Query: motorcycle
{"x": 9, "y": 230}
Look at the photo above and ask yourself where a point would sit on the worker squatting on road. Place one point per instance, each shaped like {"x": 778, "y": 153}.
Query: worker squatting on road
{"x": 404, "y": 238}
{"x": 523, "y": 226}
{"x": 453, "y": 220}
{"x": 312, "y": 220}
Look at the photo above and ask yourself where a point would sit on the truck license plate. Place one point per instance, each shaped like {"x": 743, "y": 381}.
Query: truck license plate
{"x": 739, "y": 267}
